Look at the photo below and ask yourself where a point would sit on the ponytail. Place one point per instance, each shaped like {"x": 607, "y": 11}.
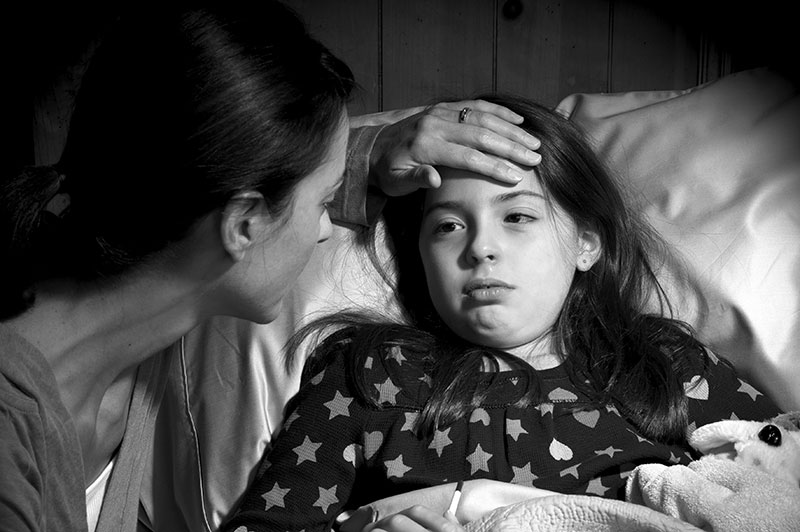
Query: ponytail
{"x": 30, "y": 205}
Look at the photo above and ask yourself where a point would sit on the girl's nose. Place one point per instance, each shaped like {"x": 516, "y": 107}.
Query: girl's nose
{"x": 483, "y": 249}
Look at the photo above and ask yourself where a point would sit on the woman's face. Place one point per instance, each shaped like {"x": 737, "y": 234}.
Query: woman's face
{"x": 499, "y": 259}
{"x": 290, "y": 240}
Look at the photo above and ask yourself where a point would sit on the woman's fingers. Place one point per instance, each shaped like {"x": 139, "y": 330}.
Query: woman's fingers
{"x": 484, "y": 107}
{"x": 493, "y": 117}
{"x": 478, "y": 160}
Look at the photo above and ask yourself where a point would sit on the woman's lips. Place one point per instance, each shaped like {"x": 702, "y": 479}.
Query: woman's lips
{"x": 486, "y": 289}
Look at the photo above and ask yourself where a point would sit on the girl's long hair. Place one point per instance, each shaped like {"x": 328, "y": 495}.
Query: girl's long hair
{"x": 615, "y": 333}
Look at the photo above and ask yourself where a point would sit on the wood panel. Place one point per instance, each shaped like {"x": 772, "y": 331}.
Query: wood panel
{"x": 352, "y": 31}
{"x": 553, "y": 48}
{"x": 651, "y": 48}
{"x": 436, "y": 49}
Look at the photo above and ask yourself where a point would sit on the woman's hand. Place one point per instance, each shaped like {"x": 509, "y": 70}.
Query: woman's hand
{"x": 487, "y": 142}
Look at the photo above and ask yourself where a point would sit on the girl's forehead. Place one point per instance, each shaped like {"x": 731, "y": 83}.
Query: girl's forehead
{"x": 463, "y": 183}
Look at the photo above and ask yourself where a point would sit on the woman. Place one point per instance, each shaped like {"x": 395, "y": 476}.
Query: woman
{"x": 205, "y": 147}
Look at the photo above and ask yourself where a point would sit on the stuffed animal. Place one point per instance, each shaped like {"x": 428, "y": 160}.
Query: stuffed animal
{"x": 747, "y": 480}
{"x": 772, "y": 446}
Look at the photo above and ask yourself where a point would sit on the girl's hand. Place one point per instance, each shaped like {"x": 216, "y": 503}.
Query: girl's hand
{"x": 478, "y": 498}
{"x": 414, "y": 519}
{"x": 487, "y": 142}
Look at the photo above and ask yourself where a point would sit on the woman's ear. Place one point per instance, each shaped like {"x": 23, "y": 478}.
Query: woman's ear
{"x": 589, "y": 249}
{"x": 243, "y": 220}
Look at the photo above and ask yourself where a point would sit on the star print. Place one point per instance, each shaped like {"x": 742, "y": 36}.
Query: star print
{"x": 368, "y": 363}
{"x": 411, "y": 419}
{"x": 326, "y": 498}
{"x": 387, "y": 392}
{"x": 479, "y": 460}
{"x": 318, "y": 378}
{"x": 396, "y": 467}
{"x": 440, "y": 441}
{"x": 611, "y": 409}
{"x": 523, "y": 475}
{"x": 545, "y": 408}
{"x": 596, "y": 487}
{"x": 396, "y": 354}
{"x": 306, "y": 451}
{"x": 514, "y": 428}
{"x": 570, "y": 471}
{"x": 610, "y": 451}
{"x": 274, "y": 497}
{"x": 640, "y": 438}
{"x": 339, "y": 405}
{"x": 749, "y": 390}
{"x": 674, "y": 459}
{"x": 294, "y": 416}
{"x": 427, "y": 380}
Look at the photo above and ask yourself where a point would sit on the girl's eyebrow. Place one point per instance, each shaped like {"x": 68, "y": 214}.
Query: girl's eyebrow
{"x": 500, "y": 198}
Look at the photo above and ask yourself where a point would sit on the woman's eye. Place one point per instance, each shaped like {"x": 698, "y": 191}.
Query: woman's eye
{"x": 519, "y": 218}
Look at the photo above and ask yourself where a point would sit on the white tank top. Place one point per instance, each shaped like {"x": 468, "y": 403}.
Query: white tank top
{"x": 95, "y": 495}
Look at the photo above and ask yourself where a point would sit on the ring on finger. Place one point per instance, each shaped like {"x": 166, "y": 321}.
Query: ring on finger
{"x": 463, "y": 114}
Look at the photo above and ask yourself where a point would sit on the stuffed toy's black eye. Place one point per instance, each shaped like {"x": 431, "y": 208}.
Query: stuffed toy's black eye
{"x": 771, "y": 435}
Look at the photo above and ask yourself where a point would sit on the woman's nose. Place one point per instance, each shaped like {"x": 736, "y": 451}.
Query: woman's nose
{"x": 325, "y": 228}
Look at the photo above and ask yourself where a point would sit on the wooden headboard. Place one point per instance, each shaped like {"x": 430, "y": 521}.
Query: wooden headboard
{"x": 408, "y": 52}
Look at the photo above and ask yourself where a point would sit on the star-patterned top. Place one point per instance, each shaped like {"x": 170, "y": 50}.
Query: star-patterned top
{"x": 335, "y": 452}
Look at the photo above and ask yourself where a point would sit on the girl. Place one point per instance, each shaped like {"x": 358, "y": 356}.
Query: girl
{"x": 205, "y": 147}
{"x": 542, "y": 352}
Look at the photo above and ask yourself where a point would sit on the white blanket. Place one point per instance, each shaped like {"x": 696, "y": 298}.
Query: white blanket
{"x": 577, "y": 512}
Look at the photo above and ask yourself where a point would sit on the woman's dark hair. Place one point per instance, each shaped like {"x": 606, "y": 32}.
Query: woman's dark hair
{"x": 615, "y": 332}
{"x": 179, "y": 110}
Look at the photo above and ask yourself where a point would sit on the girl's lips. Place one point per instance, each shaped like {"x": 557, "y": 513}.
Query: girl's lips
{"x": 486, "y": 289}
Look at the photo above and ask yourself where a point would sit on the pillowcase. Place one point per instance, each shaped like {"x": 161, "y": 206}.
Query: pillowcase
{"x": 716, "y": 170}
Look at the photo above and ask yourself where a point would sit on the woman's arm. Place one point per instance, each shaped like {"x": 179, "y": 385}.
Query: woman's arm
{"x": 395, "y": 153}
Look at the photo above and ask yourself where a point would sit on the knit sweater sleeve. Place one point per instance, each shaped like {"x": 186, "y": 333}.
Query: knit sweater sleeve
{"x": 356, "y": 202}
{"x": 307, "y": 477}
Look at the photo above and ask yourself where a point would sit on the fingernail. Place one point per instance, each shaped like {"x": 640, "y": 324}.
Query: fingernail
{"x": 534, "y": 157}
{"x": 515, "y": 174}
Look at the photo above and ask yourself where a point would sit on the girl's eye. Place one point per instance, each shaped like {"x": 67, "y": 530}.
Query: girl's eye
{"x": 446, "y": 227}
{"x": 519, "y": 218}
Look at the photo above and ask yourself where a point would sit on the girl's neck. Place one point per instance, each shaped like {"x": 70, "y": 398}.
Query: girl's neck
{"x": 538, "y": 353}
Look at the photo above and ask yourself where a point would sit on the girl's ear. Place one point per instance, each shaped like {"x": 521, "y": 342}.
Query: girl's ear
{"x": 589, "y": 249}
{"x": 243, "y": 220}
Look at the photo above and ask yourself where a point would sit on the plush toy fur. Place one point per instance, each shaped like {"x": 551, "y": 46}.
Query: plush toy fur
{"x": 772, "y": 446}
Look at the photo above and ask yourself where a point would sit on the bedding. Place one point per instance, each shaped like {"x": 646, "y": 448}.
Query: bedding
{"x": 715, "y": 168}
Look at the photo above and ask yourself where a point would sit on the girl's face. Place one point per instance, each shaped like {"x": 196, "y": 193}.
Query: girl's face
{"x": 499, "y": 259}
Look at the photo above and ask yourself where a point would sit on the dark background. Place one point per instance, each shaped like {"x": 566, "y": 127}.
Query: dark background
{"x": 409, "y": 52}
